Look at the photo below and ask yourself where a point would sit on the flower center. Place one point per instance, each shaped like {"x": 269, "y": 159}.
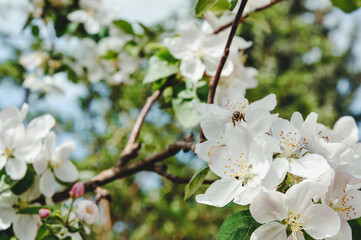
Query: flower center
{"x": 290, "y": 144}
{"x": 342, "y": 205}
{"x": 239, "y": 169}
{"x": 295, "y": 223}
{"x": 9, "y": 153}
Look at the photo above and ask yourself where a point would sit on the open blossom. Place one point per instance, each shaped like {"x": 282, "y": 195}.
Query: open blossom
{"x": 92, "y": 15}
{"x": 346, "y": 202}
{"x": 25, "y": 226}
{"x": 200, "y": 51}
{"x": 324, "y": 142}
{"x": 294, "y": 210}
{"x": 87, "y": 211}
{"x": 241, "y": 164}
{"x": 51, "y": 164}
{"x": 293, "y": 153}
{"x": 255, "y": 116}
{"x": 19, "y": 146}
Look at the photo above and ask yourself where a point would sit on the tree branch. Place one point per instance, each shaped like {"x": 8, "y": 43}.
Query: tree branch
{"x": 119, "y": 171}
{"x": 220, "y": 29}
{"x": 131, "y": 148}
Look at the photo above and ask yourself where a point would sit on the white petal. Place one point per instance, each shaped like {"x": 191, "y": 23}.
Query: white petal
{"x": 66, "y": 172}
{"x": 276, "y": 174}
{"x": 40, "y": 163}
{"x": 64, "y": 151}
{"x": 269, "y": 206}
{"x": 270, "y": 231}
{"x": 25, "y": 227}
{"x": 179, "y": 48}
{"x": 87, "y": 211}
{"x": 220, "y": 193}
{"x": 299, "y": 197}
{"x": 92, "y": 26}
{"x": 15, "y": 168}
{"x": 322, "y": 221}
{"x": 192, "y": 68}
{"x": 248, "y": 192}
{"x": 258, "y": 121}
{"x": 352, "y": 204}
{"x": 7, "y": 216}
{"x": 297, "y": 120}
{"x": 2, "y": 161}
{"x": 49, "y": 144}
{"x": 78, "y": 16}
{"x": 27, "y": 149}
{"x": 346, "y": 129}
{"x": 47, "y": 184}
{"x": 309, "y": 166}
{"x": 203, "y": 149}
{"x": 345, "y": 232}
{"x": 39, "y": 127}
{"x": 268, "y": 103}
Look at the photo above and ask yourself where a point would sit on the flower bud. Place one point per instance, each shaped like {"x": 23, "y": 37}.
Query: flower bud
{"x": 87, "y": 211}
{"x": 77, "y": 190}
{"x": 44, "y": 213}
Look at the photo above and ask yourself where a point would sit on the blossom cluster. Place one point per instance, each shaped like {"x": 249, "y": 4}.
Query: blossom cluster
{"x": 200, "y": 50}
{"x": 30, "y": 167}
{"x": 296, "y": 175}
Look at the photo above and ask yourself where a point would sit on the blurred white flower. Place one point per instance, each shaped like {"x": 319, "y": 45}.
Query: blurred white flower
{"x": 87, "y": 211}
{"x": 50, "y": 163}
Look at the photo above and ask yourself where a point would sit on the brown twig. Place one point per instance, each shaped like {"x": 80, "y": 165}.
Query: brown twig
{"x": 161, "y": 169}
{"x": 213, "y": 84}
{"x": 221, "y": 28}
{"x": 131, "y": 148}
{"x": 119, "y": 171}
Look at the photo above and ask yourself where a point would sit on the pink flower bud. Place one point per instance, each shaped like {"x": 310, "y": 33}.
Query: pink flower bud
{"x": 77, "y": 190}
{"x": 44, "y": 213}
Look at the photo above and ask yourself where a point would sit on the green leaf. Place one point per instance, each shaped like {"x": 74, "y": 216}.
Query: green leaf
{"x": 159, "y": 69}
{"x": 238, "y": 226}
{"x": 5, "y": 181}
{"x": 347, "y": 5}
{"x": 195, "y": 182}
{"x": 3, "y": 235}
{"x": 233, "y": 4}
{"x": 220, "y": 7}
{"x": 42, "y": 232}
{"x": 35, "y": 209}
{"x": 203, "y": 5}
{"x": 25, "y": 183}
{"x": 50, "y": 237}
{"x": 111, "y": 55}
{"x": 185, "y": 112}
{"x": 125, "y": 26}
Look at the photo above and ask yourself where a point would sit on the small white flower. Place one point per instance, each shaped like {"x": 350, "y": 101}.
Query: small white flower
{"x": 87, "y": 211}
{"x": 51, "y": 163}
{"x": 92, "y": 15}
{"x": 201, "y": 52}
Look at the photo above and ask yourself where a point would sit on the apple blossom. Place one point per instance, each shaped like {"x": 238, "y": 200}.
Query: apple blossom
{"x": 51, "y": 164}
{"x": 241, "y": 164}
{"x": 92, "y": 15}
{"x": 44, "y": 213}
{"x": 292, "y": 151}
{"x": 294, "y": 211}
{"x": 87, "y": 211}
{"x": 256, "y": 116}
{"x": 200, "y": 52}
